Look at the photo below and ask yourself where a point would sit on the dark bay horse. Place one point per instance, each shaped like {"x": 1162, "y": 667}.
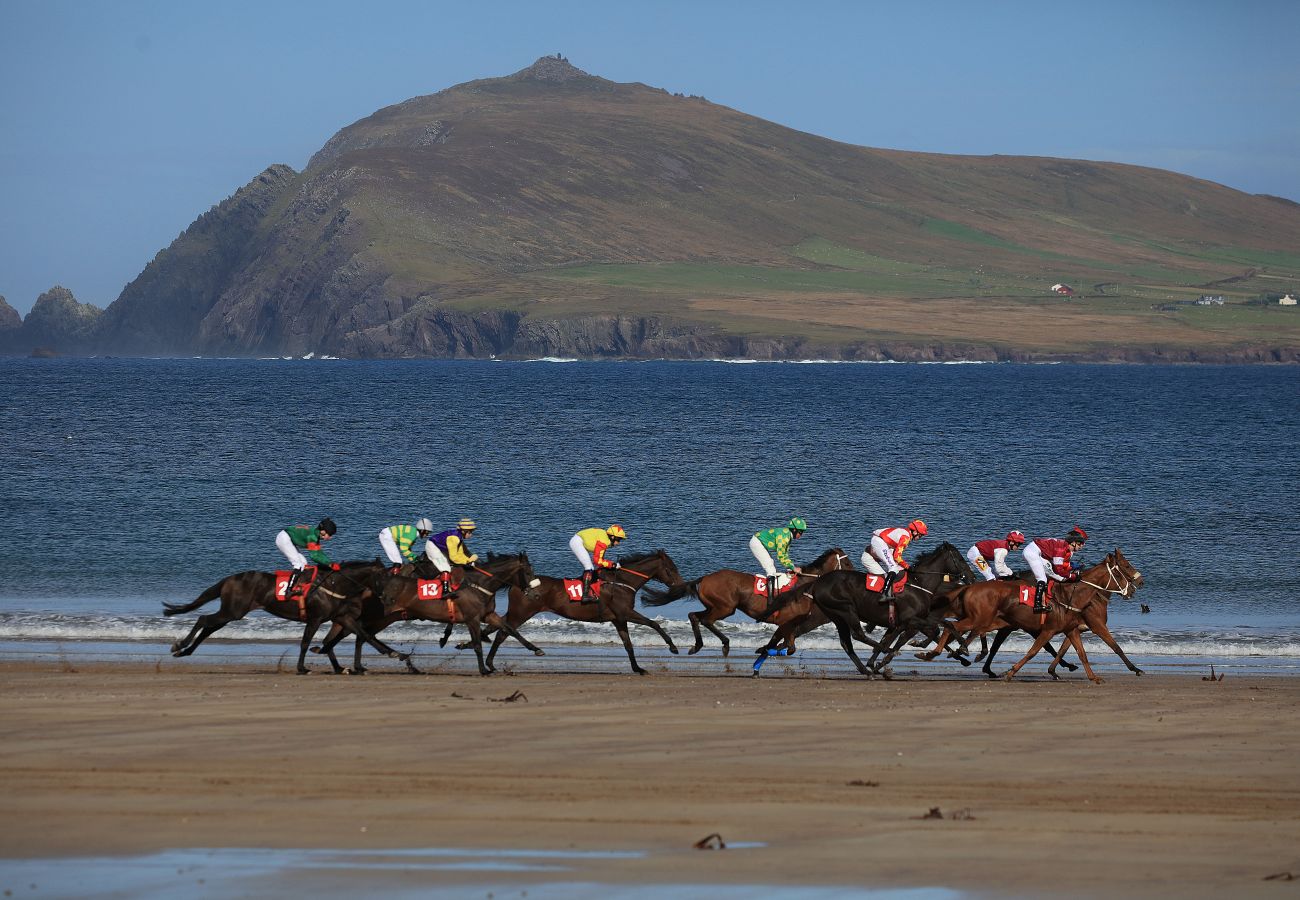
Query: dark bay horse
{"x": 396, "y": 599}
{"x": 844, "y": 600}
{"x": 336, "y": 596}
{"x": 1075, "y": 606}
{"x": 727, "y": 590}
{"x": 617, "y": 602}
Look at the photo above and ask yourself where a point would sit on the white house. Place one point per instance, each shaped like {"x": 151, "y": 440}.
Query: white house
{"x": 1288, "y": 300}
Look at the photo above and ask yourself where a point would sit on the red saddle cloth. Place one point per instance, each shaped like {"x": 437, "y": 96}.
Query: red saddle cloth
{"x": 760, "y": 585}
{"x": 573, "y": 587}
{"x": 300, "y": 589}
{"x": 876, "y": 582}
{"x": 1027, "y": 594}
{"x": 434, "y": 588}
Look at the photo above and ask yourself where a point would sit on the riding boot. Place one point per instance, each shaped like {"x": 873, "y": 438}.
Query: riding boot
{"x": 293, "y": 583}
{"x": 588, "y": 576}
{"x": 884, "y": 590}
{"x": 770, "y": 604}
{"x": 1040, "y": 587}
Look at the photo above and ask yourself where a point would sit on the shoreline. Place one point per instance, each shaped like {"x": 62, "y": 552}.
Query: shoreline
{"x": 1165, "y": 785}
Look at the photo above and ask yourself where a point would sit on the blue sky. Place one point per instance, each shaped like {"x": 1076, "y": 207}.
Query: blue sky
{"x": 123, "y": 121}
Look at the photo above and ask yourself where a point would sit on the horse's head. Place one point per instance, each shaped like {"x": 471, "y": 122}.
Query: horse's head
{"x": 512, "y": 568}
{"x": 950, "y": 562}
{"x": 1124, "y": 569}
{"x": 527, "y": 578}
{"x": 832, "y": 560}
{"x": 667, "y": 568}
{"x": 658, "y": 566}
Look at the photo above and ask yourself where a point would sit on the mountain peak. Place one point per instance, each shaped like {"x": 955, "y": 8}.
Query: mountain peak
{"x": 554, "y": 69}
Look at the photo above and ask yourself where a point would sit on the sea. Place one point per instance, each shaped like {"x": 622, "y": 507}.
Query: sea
{"x": 128, "y": 483}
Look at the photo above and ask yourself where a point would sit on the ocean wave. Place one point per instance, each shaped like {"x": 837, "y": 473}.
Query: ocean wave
{"x": 1222, "y": 642}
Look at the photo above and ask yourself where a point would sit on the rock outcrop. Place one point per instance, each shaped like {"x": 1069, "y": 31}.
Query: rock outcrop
{"x": 58, "y": 324}
{"x": 10, "y": 320}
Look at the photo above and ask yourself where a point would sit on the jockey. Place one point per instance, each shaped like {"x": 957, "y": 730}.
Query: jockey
{"x": 448, "y": 548}
{"x": 589, "y": 545}
{"x": 293, "y": 540}
{"x": 776, "y": 540}
{"x": 1050, "y": 558}
{"x": 397, "y": 540}
{"x": 884, "y": 555}
{"x": 990, "y": 557}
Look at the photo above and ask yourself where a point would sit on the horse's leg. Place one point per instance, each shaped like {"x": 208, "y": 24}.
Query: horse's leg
{"x": 632, "y": 615}
{"x": 1102, "y": 631}
{"x": 998, "y": 640}
{"x": 846, "y": 641}
{"x": 205, "y": 625}
{"x": 326, "y": 647}
{"x": 499, "y": 625}
{"x": 1043, "y": 637}
{"x": 1077, "y": 643}
{"x": 446, "y": 634}
{"x": 308, "y": 632}
{"x": 984, "y": 648}
{"x": 621, "y": 627}
{"x": 476, "y": 640}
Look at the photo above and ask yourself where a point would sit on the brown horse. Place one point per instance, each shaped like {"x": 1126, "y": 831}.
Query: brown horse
{"x": 727, "y": 590}
{"x": 396, "y": 599}
{"x": 336, "y": 596}
{"x": 617, "y": 603}
{"x": 992, "y": 605}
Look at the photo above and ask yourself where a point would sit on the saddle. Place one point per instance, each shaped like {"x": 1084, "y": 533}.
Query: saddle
{"x": 1027, "y": 594}
{"x": 783, "y": 583}
{"x": 574, "y": 589}
{"x": 301, "y": 588}
{"x": 876, "y": 582}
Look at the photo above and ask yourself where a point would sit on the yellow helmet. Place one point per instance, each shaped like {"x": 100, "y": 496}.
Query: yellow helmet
{"x": 616, "y": 531}
{"x": 466, "y": 525}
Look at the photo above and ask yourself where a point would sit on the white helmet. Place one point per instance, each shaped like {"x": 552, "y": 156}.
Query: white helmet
{"x": 424, "y": 525}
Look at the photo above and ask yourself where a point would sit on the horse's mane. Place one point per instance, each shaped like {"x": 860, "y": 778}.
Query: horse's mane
{"x": 931, "y": 555}
{"x": 825, "y": 556}
{"x": 638, "y": 557}
{"x": 495, "y": 557}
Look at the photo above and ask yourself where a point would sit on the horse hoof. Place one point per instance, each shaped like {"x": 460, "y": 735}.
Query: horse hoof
{"x": 1098, "y": 680}
{"x": 641, "y": 671}
{"x": 1138, "y": 672}
{"x": 314, "y": 650}
{"x": 695, "y": 650}
{"x": 965, "y": 663}
{"x": 177, "y": 653}
{"x": 539, "y": 652}
{"x": 726, "y": 650}
{"x": 1055, "y": 677}
{"x": 673, "y": 650}
{"x": 304, "y": 671}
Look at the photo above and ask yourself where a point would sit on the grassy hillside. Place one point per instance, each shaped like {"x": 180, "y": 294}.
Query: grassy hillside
{"x": 556, "y": 195}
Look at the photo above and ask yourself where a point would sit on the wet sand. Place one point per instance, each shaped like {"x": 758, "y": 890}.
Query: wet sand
{"x": 1158, "y": 786}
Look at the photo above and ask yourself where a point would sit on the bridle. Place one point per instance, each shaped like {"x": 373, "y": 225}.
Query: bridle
{"x": 532, "y": 585}
{"x": 1116, "y": 576}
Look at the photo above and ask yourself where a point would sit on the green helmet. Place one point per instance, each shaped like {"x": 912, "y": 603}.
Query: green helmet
{"x": 797, "y": 524}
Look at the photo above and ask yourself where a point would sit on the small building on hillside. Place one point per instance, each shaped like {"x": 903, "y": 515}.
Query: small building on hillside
{"x": 1063, "y": 289}
{"x": 1288, "y": 300}
{"x": 1207, "y": 300}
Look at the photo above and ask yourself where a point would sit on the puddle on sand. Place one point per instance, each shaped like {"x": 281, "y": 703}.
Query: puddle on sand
{"x": 262, "y": 872}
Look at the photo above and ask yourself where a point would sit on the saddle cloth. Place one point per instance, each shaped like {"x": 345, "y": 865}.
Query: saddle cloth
{"x": 573, "y": 587}
{"x": 1027, "y": 594}
{"x": 784, "y": 582}
{"x": 300, "y": 589}
{"x": 435, "y": 588}
{"x": 876, "y": 582}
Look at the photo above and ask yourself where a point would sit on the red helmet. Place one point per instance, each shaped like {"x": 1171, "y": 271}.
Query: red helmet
{"x": 1077, "y": 534}
{"x": 918, "y": 526}
{"x": 1015, "y": 537}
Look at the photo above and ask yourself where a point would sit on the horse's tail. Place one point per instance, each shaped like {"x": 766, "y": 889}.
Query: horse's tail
{"x": 651, "y": 597}
{"x": 212, "y": 593}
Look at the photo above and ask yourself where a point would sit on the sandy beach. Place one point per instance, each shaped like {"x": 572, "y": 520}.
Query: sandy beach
{"x": 1158, "y": 786}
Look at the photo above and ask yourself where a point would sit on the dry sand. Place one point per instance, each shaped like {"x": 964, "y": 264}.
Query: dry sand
{"x": 1162, "y": 786}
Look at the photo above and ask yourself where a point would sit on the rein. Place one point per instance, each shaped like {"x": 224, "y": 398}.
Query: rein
{"x": 1113, "y": 574}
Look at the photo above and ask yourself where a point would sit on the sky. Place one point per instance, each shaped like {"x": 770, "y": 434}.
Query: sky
{"x": 122, "y": 121}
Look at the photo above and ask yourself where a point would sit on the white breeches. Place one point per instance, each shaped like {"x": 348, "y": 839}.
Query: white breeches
{"x": 580, "y": 551}
{"x": 764, "y": 558}
{"x": 992, "y": 571}
{"x": 883, "y": 555}
{"x": 285, "y": 545}
{"x": 390, "y": 547}
{"x": 1040, "y": 567}
{"x": 437, "y": 557}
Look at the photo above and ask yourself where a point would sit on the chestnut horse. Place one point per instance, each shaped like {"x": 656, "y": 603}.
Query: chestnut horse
{"x": 617, "y": 603}
{"x": 842, "y": 598}
{"x": 727, "y": 590}
{"x": 337, "y": 596}
{"x": 396, "y": 598}
{"x": 992, "y": 605}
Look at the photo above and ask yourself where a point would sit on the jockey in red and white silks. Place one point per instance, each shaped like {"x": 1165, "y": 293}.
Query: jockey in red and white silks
{"x": 884, "y": 555}
{"x": 1050, "y": 558}
{"x": 989, "y": 558}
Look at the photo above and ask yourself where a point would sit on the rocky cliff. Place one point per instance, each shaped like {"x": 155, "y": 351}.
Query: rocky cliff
{"x": 57, "y": 323}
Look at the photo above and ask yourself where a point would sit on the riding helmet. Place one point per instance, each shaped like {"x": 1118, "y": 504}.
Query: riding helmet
{"x": 1077, "y": 534}
{"x": 1015, "y": 537}
{"x": 424, "y": 525}
{"x": 327, "y": 526}
{"x": 917, "y": 526}
{"x": 466, "y": 524}
{"x": 796, "y": 523}
{"x": 616, "y": 531}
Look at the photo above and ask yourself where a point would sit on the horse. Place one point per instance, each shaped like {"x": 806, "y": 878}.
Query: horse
{"x": 617, "y": 603}
{"x": 1074, "y": 605}
{"x": 396, "y": 598}
{"x": 336, "y": 596}
{"x": 844, "y": 599}
{"x": 727, "y": 590}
